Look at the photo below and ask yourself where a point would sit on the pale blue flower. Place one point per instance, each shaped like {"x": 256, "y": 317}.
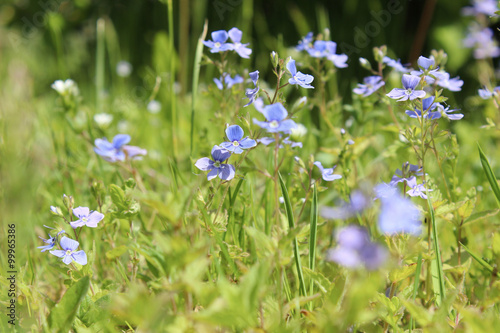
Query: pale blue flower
{"x": 218, "y": 42}
{"x": 68, "y": 253}
{"x": 299, "y": 78}
{"x": 236, "y": 142}
{"x": 86, "y": 218}
{"x": 242, "y": 49}
{"x": 410, "y": 82}
{"x": 215, "y": 166}
{"x": 327, "y": 174}
{"x": 275, "y": 115}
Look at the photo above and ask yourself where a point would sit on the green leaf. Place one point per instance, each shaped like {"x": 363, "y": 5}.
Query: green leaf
{"x": 118, "y": 197}
{"x": 63, "y": 313}
{"x": 480, "y": 260}
{"x": 397, "y": 275}
{"x": 116, "y": 252}
{"x": 291, "y": 224}
{"x": 481, "y": 215}
{"x": 489, "y": 174}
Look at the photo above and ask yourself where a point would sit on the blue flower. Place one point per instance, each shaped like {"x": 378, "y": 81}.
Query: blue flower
{"x": 369, "y": 86}
{"x": 396, "y": 64}
{"x": 448, "y": 113}
{"x": 399, "y": 215}
{"x": 318, "y": 50}
{"x": 339, "y": 60}
{"x": 358, "y": 202}
{"x": 86, "y": 217}
{"x": 117, "y": 150}
{"x": 406, "y": 172}
{"x": 443, "y": 80}
{"x": 236, "y": 142}
{"x": 486, "y": 7}
{"x": 327, "y": 174}
{"x": 51, "y": 241}
{"x": 483, "y": 42}
{"x": 226, "y": 78}
{"x": 416, "y": 190}
{"x": 487, "y": 94}
{"x": 266, "y": 141}
{"x": 68, "y": 253}
{"x": 216, "y": 167}
{"x": 275, "y": 115}
{"x": 410, "y": 82}
{"x": 218, "y": 42}
{"x": 299, "y": 78}
{"x": 428, "y": 105}
{"x": 243, "y": 51}
{"x": 354, "y": 249}
{"x": 305, "y": 42}
{"x": 384, "y": 190}
{"x": 251, "y": 94}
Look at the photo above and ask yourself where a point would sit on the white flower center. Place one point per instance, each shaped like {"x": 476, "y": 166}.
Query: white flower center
{"x": 274, "y": 124}
{"x": 217, "y": 44}
{"x": 408, "y": 91}
{"x": 68, "y": 252}
{"x": 236, "y": 143}
{"x": 217, "y": 164}
{"x": 84, "y": 219}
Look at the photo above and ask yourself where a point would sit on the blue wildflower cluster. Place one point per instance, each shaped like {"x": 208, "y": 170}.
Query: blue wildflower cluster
{"x": 480, "y": 35}
{"x": 62, "y": 246}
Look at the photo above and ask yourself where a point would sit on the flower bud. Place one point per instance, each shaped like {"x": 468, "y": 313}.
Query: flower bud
{"x": 274, "y": 59}
{"x": 365, "y": 63}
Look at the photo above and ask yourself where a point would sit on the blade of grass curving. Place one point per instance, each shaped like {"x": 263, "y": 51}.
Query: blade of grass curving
{"x": 489, "y": 174}
{"x": 312, "y": 237}
{"x": 437, "y": 252}
{"x": 481, "y": 261}
{"x": 196, "y": 77}
{"x": 291, "y": 224}
{"x": 415, "y": 285}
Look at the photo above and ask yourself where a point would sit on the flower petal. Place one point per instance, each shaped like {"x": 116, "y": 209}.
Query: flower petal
{"x": 397, "y": 93}
{"x": 234, "y": 133}
{"x": 94, "y": 219}
{"x": 81, "y": 212}
{"x": 212, "y": 174}
{"x": 67, "y": 259}
{"x": 235, "y": 35}
{"x": 120, "y": 139}
{"x": 58, "y": 253}
{"x": 204, "y": 164}
{"x": 275, "y": 112}
{"x": 247, "y": 143}
{"x": 227, "y": 172}
{"x": 219, "y": 36}
{"x": 80, "y": 257}
{"x": 68, "y": 244}
{"x": 410, "y": 81}
{"x": 220, "y": 154}
{"x": 286, "y": 126}
{"x": 291, "y": 67}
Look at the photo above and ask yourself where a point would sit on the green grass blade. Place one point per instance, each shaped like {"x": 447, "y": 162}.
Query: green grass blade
{"x": 415, "y": 285}
{"x": 313, "y": 235}
{"x": 489, "y": 174}
{"x": 196, "y": 78}
{"x": 480, "y": 261}
{"x": 291, "y": 224}
{"x": 437, "y": 252}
